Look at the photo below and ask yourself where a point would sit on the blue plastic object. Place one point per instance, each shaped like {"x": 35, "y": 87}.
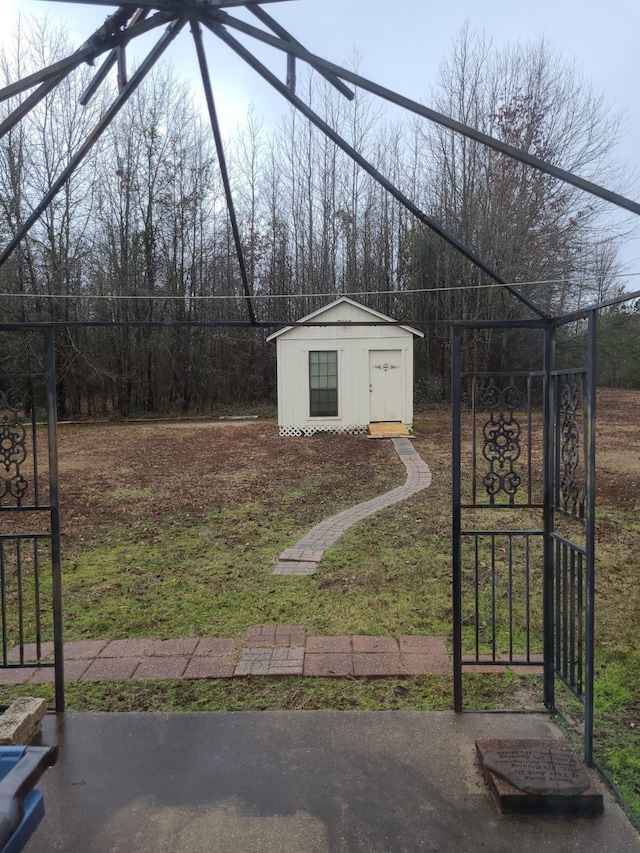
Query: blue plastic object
{"x": 21, "y": 807}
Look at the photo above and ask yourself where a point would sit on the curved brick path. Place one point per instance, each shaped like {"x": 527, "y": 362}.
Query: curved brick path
{"x": 304, "y": 556}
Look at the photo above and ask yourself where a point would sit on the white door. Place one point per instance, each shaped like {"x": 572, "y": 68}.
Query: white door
{"x": 386, "y": 383}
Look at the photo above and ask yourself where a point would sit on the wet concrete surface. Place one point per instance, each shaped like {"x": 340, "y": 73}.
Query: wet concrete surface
{"x": 295, "y": 782}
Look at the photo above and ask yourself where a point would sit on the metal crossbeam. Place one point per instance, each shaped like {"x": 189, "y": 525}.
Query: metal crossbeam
{"x": 131, "y": 20}
{"x": 98, "y": 43}
{"x": 110, "y": 61}
{"x": 215, "y": 128}
{"x": 178, "y": 7}
{"x": 365, "y": 165}
{"x": 275, "y": 27}
{"x": 413, "y": 106}
{"x": 93, "y": 137}
{"x": 33, "y": 100}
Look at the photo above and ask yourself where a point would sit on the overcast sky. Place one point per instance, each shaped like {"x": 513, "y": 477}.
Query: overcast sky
{"x": 400, "y": 44}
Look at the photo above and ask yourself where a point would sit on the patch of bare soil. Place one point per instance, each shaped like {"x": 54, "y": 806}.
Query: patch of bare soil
{"x": 618, "y": 448}
{"x": 115, "y": 475}
{"x": 131, "y": 474}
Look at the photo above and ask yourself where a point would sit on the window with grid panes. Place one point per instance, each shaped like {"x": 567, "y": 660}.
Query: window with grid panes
{"x": 323, "y": 384}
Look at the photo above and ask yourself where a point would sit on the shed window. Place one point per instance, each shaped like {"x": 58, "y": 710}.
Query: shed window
{"x": 323, "y": 384}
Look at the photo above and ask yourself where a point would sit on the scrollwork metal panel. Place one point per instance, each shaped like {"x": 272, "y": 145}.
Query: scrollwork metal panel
{"x": 501, "y": 437}
{"x": 571, "y": 495}
{"x": 13, "y": 445}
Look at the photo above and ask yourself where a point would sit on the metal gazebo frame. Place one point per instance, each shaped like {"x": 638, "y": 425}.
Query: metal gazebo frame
{"x": 552, "y": 557}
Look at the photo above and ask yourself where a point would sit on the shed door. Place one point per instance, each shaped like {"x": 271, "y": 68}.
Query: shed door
{"x": 386, "y": 382}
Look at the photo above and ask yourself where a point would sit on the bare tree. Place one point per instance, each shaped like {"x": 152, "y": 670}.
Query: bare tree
{"x": 527, "y": 225}
{"x": 51, "y": 263}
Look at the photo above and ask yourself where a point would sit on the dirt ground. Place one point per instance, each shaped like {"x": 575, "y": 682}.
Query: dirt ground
{"x": 186, "y": 470}
{"x": 182, "y": 472}
{"x": 618, "y": 448}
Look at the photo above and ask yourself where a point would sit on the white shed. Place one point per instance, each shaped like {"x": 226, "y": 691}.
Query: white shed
{"x": 341, "y": 378}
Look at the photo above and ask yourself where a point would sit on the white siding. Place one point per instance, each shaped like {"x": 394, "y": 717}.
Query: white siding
{"x": 352, "y": 345}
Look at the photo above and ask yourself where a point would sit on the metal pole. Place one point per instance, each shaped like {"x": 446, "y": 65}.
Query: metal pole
{"x": 548, "y": 455}
{"x": 291, "y": 73}
{"x": 57, "y": 71}
{"x": 415, "y": 107}
{"x": 222, "y": 163}
{"x": 122, "y": 67}
{"x": 105, "y": 121}
{"x": 251, "y": 60}
{"x": 32, "y": 101}
{"x": 92, "y": 48}
{"x": 456, "y": 513}
{"x": 54, "y": 503}
{"x": 275, "y": 27}
{"x": 590, "y": 531}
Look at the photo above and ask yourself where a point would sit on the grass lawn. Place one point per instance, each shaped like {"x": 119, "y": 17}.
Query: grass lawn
{"x": 172, "y": 531}
{"x": 176, "y": 533}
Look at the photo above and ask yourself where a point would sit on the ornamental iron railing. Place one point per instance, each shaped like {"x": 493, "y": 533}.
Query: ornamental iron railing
{"x": 30, "y": 581}
{"x": 523, "y": 522}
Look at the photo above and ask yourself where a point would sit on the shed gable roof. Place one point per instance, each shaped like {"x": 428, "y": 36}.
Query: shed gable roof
{"x": 368, "y": 314}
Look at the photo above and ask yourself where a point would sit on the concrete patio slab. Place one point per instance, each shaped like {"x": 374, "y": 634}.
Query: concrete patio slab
{"x": 290, "y": 635}
{"x": 295, "y": 782}
{"x": 73, "y": 671}
{"x": 77, "y": 649}
{"x": 30, "y": 652}
{"x": 412, "y": 644}
{"x": 362, "y": 643}
{"x": 335, "y": 645}
{"x": 266, "y": 636}
{"x": 16, "y": 676}
{"x": 127, "y": 648}
{"x": 186, "y": 646}
{"x": 377, "y": 664}
{"x": 295, "y": 567}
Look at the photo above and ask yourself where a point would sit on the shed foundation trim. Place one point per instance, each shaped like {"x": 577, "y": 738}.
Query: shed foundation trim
{"x": 311, "y": 429}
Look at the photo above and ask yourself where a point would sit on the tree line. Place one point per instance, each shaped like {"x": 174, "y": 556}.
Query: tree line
{"x": 141, "y": 232}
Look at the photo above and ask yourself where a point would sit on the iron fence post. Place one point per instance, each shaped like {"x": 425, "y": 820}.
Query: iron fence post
{"x": 54, "y": 503}
{"x": 590, "y": 531}
{"x": 548, "y": 455}
{"x": 456, "y": 514}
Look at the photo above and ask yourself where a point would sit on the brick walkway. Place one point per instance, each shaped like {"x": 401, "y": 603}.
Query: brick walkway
{"x": 304, "y": 556}
{"x": 264, "y": 650}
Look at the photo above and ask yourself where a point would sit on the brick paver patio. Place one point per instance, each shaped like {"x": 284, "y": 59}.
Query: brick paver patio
{"x": 303, "y": 557}
{"x": 264, "y": 650}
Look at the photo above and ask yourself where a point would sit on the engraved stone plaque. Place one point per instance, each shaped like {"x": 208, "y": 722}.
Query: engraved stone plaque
{"x": 538, "y": 769}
